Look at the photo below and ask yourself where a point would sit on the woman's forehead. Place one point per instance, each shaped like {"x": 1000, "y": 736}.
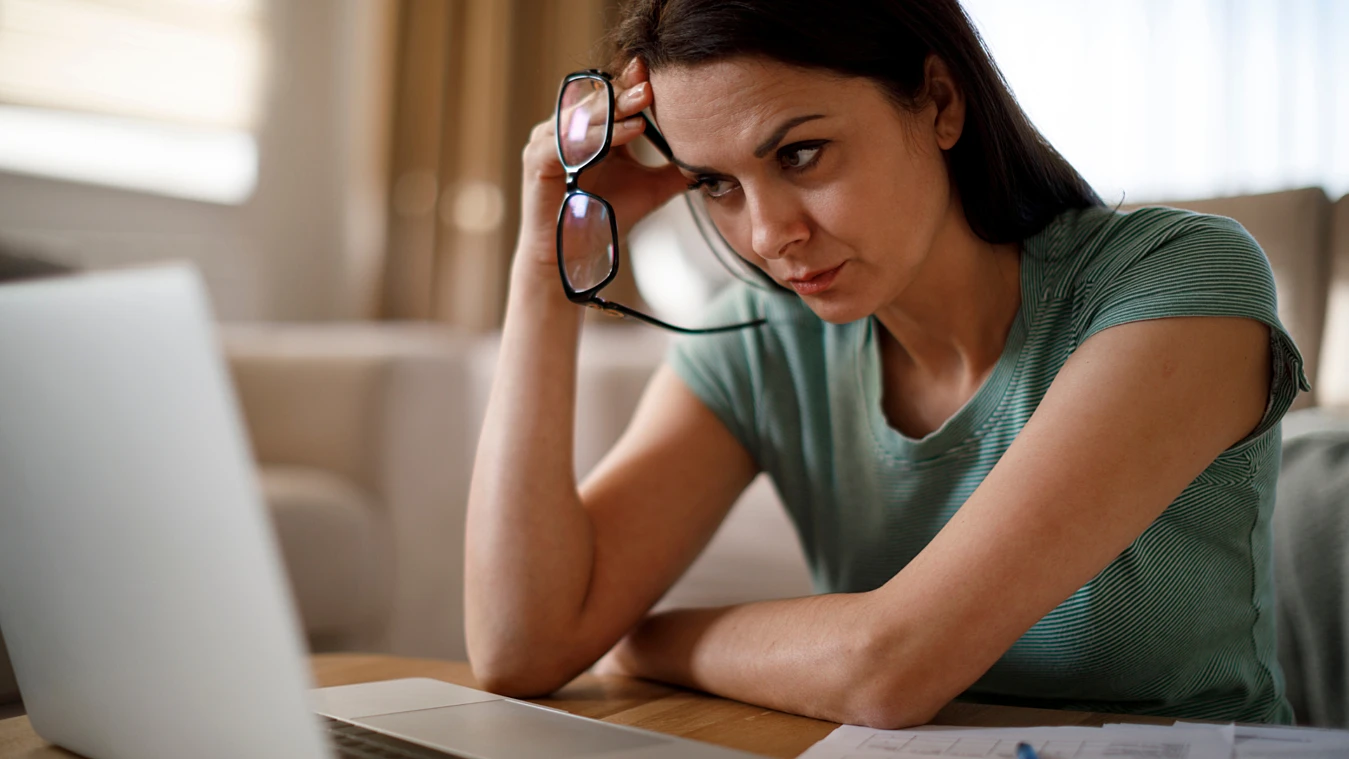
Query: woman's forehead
{"x": 719, "y": 106}
{"x": 730, "y": 90}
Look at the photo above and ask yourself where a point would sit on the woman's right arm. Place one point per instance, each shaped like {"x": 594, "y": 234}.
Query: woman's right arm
{"x": 555, "y": 575}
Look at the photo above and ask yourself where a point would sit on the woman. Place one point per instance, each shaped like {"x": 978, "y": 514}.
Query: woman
{"x": 1029, "y": 443}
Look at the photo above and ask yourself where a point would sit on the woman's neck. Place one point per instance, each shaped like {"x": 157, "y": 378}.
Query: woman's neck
{"x": 950, "y": 324}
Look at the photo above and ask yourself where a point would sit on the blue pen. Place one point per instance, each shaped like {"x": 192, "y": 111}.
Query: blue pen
{"x": 1024, "y": 751}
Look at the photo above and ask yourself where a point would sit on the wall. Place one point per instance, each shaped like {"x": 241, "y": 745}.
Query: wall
{"x": 307, "y": 245}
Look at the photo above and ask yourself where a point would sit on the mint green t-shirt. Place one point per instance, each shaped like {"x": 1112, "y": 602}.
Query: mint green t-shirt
{"x": 1182, "y": 622}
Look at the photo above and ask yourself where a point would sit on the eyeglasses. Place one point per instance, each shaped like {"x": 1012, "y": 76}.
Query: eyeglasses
{"x": 587, "y": 233}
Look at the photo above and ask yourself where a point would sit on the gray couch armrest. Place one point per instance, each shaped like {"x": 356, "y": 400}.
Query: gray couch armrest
{"x": 1311, "y": 566}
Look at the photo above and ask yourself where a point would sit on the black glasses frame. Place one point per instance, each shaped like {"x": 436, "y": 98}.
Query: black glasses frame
{"x": 590, "y": 296}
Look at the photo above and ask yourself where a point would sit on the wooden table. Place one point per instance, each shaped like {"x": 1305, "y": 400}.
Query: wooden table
{"x": 628, "y": 702}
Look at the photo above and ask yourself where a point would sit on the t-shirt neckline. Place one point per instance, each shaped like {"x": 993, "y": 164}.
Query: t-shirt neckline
{"x": 967, "y": 423}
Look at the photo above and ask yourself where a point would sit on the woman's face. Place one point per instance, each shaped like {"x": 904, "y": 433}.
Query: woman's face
{"x": 817, "y": 179}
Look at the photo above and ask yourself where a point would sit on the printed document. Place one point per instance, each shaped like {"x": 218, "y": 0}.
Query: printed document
{"x": 1187, "y": 742}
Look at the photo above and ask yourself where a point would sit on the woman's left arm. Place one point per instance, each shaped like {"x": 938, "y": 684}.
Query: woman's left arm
{"x": 1133, "y": 417}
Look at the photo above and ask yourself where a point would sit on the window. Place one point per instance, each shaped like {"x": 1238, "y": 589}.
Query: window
{"x": 161, "y": 96}
{"x": 1175, "y": 99}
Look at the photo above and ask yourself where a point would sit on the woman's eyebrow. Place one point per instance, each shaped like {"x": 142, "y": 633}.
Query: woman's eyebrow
{"x": 692, "y": 169}
{"x": 775, "y": 138}
{"x": 767, "y": 146}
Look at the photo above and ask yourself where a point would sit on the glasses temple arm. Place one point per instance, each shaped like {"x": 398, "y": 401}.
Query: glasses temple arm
{"x": 657, "y": 139}
{"x": 619, "y": 308}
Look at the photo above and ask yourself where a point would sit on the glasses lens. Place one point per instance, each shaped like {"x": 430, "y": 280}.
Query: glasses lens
{"x": 587, "y": 242}
{"x": 582, "y": 120}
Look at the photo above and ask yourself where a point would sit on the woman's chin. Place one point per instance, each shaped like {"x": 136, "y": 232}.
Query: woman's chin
{"x": 834, "y": 309}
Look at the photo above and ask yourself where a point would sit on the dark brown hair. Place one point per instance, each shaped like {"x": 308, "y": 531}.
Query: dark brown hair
{"x": 1010, "y": 180}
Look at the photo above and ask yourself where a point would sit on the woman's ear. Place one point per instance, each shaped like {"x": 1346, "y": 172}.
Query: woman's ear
{"x": 943, "y": 92}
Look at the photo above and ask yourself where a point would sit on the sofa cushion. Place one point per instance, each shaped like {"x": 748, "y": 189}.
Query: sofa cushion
{"x": 312, "y": 410}
{"x": 1293, "y": 229}
{"x": 336, "y": 550}
{"x": 755, "y": 554}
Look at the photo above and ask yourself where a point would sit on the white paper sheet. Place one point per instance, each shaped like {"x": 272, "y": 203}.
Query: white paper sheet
{"x": 1189, "y": 742}
{"x": 1275, "y": 742}
{"x": 1263, "y": 742}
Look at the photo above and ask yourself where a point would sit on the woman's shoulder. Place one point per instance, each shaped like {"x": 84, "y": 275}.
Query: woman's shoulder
{"x": 1154, "y": 243}
{"x": 1099, "y": 236}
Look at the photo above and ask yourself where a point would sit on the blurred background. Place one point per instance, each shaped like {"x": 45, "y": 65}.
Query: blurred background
{"x": 345, "y": 173}
{"x": 318, "y": 159}
{"x": 351, "y": 159}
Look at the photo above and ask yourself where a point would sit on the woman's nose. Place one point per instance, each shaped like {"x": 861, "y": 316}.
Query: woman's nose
{"x": 777, "y": 221}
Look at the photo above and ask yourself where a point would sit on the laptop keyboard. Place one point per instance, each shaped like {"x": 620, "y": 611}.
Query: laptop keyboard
{"x": 356, "y": 742}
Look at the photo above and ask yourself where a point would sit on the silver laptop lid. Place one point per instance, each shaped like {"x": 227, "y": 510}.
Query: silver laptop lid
{"x": 141, "y": 592}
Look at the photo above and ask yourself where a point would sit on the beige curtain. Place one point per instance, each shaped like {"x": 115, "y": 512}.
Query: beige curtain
{"x": 473, "y": 77}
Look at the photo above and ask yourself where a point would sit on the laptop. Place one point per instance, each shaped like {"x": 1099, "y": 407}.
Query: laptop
{"x": 142, "y": 595}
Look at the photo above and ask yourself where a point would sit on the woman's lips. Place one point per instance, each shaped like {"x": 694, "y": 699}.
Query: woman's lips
{"x": 815, "y": 284}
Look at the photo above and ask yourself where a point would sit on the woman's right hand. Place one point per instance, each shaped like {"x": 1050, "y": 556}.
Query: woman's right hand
{"x": 634, "y": 190}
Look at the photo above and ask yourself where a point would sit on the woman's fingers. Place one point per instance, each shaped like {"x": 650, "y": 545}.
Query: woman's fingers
{"x": 627, "y": 130}
{"x": 579, "y": 120}
{"x": 581, "y": 141}
{"x": 584, "y": 112}
{"x": 580, "y": 129}
{"x": 631, "y": 101}
{"x": 580, "y": 123}
{"x": 632, "y": 90}
{"x": 633, "y": 73}
{"x": 592, "y": 108}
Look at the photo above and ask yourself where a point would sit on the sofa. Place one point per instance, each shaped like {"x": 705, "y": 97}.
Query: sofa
{"x": 362, "y": 445}
{"x": 364, "y": 434}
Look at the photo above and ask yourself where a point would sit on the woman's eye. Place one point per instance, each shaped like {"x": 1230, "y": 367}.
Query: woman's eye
{"x": 719, "y": 187}
{"x": 799, "y": 156}
{"x": 713, "y": 188}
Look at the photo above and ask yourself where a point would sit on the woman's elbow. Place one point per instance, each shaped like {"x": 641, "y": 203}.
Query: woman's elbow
{"x": 527, "y": 671}
{"x": 889, "y": 712}
{"x": 889, "y": 703}
{"x": 517, "y": 679}
{"x": 886, "y": 692}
